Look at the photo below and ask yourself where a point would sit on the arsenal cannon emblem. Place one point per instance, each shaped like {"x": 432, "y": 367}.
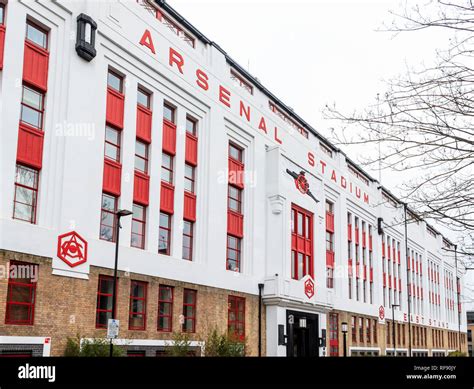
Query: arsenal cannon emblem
{"x": 72, "y": 248}
{"x": 309, "y": 288}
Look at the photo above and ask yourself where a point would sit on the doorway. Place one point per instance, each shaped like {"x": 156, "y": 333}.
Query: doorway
{"x": 302, "y": 331}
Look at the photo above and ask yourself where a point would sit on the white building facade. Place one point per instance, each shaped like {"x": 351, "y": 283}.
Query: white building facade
{"x": 229, "y": 188}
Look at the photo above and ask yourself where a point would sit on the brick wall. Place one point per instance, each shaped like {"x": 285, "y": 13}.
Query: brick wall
{"x": 66, "y": 306}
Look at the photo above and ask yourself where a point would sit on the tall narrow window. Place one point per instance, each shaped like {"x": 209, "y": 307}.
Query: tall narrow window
{"x": 115, "y": 81}
{"x": 143, "y": 98}
{"x": 32, "y": 107}
{"x": 234, "y": 199}
{"x": 36, "y": 35}
{"x": 21, "y": 293}
{"x": 164, "y": 244}
{"x": 329, "y": 245}
{"x": 302, "y": 243}
{"x": 169, "y": 112}
{"x": 333, "y": 335}
{"x": 138, "y": 226}
{"x": 233, "y": 253}
{"x": 26, "y": 194}
{"x": 189, "y": 179}
{"x": 191, "y": 126}
{"x": 165, "y": 308}
{"x": 167, "y": 168}
{"x": 108, "y": 217}
{"x": 141, "y": 156}
{"x": 236, "y": 317}
{"x": 235, "y": 152}
{"x": 112, "y": 144}
{"x": 353, "y": 329}
{"x": 188, "y": 240}
{"x": 138, "y": 292}
{"x": 104, "y": 301}
{"x": 189, "y": 310}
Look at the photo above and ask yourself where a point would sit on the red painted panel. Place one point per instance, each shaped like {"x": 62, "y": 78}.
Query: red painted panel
{"x": 357, "y": 235}
{"x": 329, "y": 222}
{"x": 115, "y": 106}
{"x": 371, "y": 274}
{"x": 2, "y": 45}
{"x": 236, "y": 173}
{"x": 384, "y": 279}
{"x": 300, "y": 244}
{"x": 235, "y": 224}
{"x": 141, "y": 188}
{"x": 395, "y": 283}
{"x": 383, "y": 249}
{"x": 144, "y": 116}
{"x": 169, "y": 137}
{"x": 167, "y": 198}
{"x": 370, "y": 243}
{"x": 357, "y": 269}
{"x": 293, "y": 242}
{"x": 112, "y": 177}
{"x": 30, "y": 146}
{"x": 363, "y": 238}
{"x": 189, "y": 206}
{"x": 389, "y": 281}
{"x": 191, "y": 149}
{"x": 330, "y": 259}
{"x": 349, "y": 232}
{"x": 35, "y": 66}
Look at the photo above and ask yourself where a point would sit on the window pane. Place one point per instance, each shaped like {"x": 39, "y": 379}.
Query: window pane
{"x": 141, "y": 149}
{"x": 235, "y": 153}
{"x": 108, "y": 202}
{"x": 114, "y": 81}
{"x": 2, "y": 15}
{"x": 112, "y": 135}
{"x": 190, "y": 126}
{"x": 112, "y": 152}
{"x": 32, "y": 117}
{"x": 168, "y": 113}
{"x": 32, "y": 98}
{"x": 35, "y": 35}
{"x": 143, "y": 98}
{"x": 27, "y": 177}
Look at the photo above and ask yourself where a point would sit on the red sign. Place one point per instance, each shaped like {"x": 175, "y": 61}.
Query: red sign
{"x": 309, "y": 288}
{"x": 302, "y": 183}
{"x": 381, "y": 312}
{"x": 72, "y": 248}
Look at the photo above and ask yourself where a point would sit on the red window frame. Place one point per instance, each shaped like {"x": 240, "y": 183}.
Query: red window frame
{"x": 146, "y": 96}
{"x": 107, "y": 212}
{"x": 307, "y": 235}
{"x": 188, "y": 233}
{"x": 30, "y": 24}
{"x": 100, "y": 294}
{"x": 30, "y": 189}
{"x": 110, "y": 143}
{"x": 39, "y": 111}
{"x": 135, "y": 312}
{"x": 114, "y": 74}
{"x": 165, "y": 302}
{"x": 169, "y": 112}
{"x": 234, "y": 196}
{"x": 15, "y": 286}
{"x": 236, "y": 152}
{"x": 235, "y": 248}
{"x": 189, "y": 180}
{"x": 140, "y": 225}
{"x": 191, "y": 125}
{"x": 236, "y": 317}
{"x": 141, "y": 157}
{"x": 333, "y": 335}
{"x": 189, "y": 306}
{"x": 375, "y": 331}
{"x": 361, "y": 329}
{"x": 164, "y": 228}
{"x": 168, "y": 168}
{"x": 368, "y": 326}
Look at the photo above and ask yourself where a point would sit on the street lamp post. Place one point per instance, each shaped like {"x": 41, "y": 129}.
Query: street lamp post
{"x": 119, "y": 214}
{"x": 394, "y": 329}
{"x": 344, "y": 333}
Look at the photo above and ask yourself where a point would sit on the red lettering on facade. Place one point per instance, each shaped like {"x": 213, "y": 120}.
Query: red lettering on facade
{"x": 262, "y": 125}
{"x": 244, "y": 111}
{"x": 176, "y": 58}
{"x": 147, "y": 41}
{"x": 343, "y": 182}
{"x": 311, "y": 159}
{"x": 276, "y": 135}
{"x": 366, "y": 198}
{"x": 333, "y": 176}
{"x": 323, "y": 166}
{"x": 224, "y": 96}
{"x": 202, "y": 79}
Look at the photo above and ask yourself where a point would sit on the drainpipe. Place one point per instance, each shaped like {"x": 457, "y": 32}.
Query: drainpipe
{"x": 260, "y": 289}
{"x": 407, "y": 254}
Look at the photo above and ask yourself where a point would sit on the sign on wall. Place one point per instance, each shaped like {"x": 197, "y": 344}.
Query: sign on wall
{"x": 72, "y": 249}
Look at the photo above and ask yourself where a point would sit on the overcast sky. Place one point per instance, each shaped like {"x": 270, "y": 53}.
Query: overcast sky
{"x": 310, "y": 53}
